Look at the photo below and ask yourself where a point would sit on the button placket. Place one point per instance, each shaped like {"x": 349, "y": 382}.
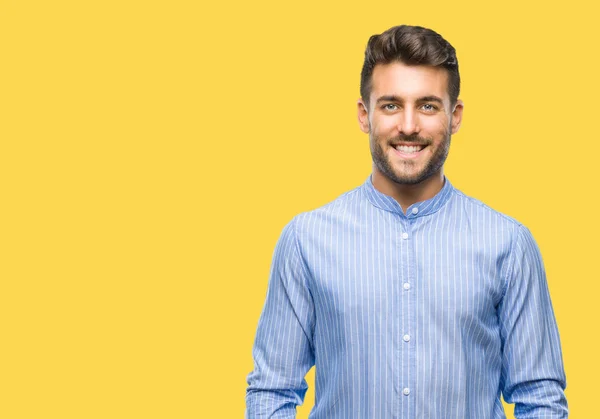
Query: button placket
{"x": 408, "y": 305}
{"x": 406, "y": 349}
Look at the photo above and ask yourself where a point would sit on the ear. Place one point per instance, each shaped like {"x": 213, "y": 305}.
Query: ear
{"x": 363, "y": 116}
{"x": 457, "y": 116}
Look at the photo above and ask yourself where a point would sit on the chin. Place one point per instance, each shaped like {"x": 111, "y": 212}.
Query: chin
{"x": 404, "y": 180}
{"x": 414, "y": 177}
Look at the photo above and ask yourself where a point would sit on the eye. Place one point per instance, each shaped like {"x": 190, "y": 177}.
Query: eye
{"x": 390, "y": 107}
{"x": 428, "y": 107}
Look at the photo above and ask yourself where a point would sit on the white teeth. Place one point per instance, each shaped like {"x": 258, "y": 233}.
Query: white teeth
{"x": 408, "y": 149}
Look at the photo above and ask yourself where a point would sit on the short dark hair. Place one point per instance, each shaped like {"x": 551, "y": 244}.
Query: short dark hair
{"x": 410, "y": 45}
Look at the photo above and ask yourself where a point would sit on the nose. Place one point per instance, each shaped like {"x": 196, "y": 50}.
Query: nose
{"x": 408, "y": 123}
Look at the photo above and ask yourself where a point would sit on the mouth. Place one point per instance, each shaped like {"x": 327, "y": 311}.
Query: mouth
{"x": 409, "y": 151}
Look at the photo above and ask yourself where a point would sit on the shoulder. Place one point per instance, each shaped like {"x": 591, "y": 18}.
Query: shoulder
{"x": 332, "y": 212}
{"x": 503, "y": 227}
{"x": 483, "y": 212}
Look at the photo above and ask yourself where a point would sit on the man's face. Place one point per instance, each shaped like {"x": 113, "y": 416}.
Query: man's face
{"x": 409, "y": 121}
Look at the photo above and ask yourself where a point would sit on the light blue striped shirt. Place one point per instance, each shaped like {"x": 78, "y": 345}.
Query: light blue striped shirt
{"x": 431, "y": 314}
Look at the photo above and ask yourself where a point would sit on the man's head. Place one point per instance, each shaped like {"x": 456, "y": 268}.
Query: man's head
{"x": 409, "y": 104}
{"x": 410, "y": 45}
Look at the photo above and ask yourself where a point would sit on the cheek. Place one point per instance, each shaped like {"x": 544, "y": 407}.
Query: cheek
{"x": 434, "y": 123}
{"x": 435, "y": 128}
{"x": 383, "y": 127}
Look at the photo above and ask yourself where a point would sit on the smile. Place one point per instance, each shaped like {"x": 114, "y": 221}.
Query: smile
{"x": 409, "y": 148}
{"x": 408, "y": 151}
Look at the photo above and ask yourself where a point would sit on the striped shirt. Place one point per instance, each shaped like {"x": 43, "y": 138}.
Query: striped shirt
{"x": 431, "y": 314}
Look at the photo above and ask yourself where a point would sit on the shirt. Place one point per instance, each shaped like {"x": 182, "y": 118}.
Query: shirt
{"x": 430, "y": 314}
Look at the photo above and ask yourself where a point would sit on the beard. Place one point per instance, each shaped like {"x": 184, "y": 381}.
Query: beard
{"x": 406, "y": 175}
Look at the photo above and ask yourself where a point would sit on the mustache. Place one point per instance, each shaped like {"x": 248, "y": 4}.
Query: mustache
{"x": 410, "y": 139}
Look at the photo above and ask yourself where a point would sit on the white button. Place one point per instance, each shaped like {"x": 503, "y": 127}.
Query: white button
{"x": 406, "y": 286}
{"x": 406, "y": 338}
{"x": 405, "y": 236}
{"x": 406, "y": 391}
{"x": 415, "y": 210}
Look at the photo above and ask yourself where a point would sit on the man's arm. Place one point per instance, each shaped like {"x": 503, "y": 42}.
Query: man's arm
{"x": 533, "y": 376}
{"x": 283, "y": 350}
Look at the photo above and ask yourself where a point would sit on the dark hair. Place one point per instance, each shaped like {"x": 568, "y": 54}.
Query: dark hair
{"x": 410, "y": 45}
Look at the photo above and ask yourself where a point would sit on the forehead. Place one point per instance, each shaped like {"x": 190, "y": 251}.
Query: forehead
{"x": 409, "y": 81}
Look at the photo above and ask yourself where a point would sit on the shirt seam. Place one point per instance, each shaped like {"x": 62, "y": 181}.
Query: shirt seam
{"x": 298, "y": 250}
{"x": 511, "y": 264}
{"x": 298, "y": 253}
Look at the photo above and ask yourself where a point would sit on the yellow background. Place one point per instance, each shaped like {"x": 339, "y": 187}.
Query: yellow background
{"x": 152, "y": 151}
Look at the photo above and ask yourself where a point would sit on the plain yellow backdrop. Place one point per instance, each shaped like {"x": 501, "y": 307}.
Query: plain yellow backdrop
{"x": 152, "y": 151}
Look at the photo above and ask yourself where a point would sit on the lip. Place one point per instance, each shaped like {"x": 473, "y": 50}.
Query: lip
{"x": 408, "y": 156}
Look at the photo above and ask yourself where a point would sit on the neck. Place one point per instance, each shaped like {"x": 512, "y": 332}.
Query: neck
{"x": 405, "y": 194}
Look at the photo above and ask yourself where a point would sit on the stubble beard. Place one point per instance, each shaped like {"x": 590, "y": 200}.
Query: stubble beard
{"x": 383, "y": 164}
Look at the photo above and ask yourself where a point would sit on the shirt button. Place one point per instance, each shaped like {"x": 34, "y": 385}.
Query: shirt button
{"x": 405, "y": 236}
{"x": 415, "y": 210}
{"x": 406, "y": 338}
{"x": 406, "y": 391}
{"x": 406, "y": 286}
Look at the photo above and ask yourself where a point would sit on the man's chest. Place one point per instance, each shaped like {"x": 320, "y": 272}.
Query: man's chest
{"x": 406, "y": 271}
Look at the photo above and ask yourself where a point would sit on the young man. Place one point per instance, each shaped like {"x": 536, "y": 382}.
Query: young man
{"x": 411, "y": 299}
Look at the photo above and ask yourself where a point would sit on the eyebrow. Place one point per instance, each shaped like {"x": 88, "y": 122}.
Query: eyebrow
{"x": 394, "y": 98}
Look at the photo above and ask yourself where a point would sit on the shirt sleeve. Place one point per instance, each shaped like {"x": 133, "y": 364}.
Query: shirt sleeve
{"x": 283, "y": 349}
{"x": 533, "y": 376}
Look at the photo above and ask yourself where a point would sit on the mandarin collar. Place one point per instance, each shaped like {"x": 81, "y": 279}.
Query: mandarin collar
{"x": 418, "y": 209}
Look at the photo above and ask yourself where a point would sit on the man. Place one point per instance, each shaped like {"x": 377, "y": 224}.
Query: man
{"x": 411, "y": 299}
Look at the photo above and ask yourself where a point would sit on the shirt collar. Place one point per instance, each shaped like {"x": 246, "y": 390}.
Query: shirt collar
{"x": 417, "y": 209}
